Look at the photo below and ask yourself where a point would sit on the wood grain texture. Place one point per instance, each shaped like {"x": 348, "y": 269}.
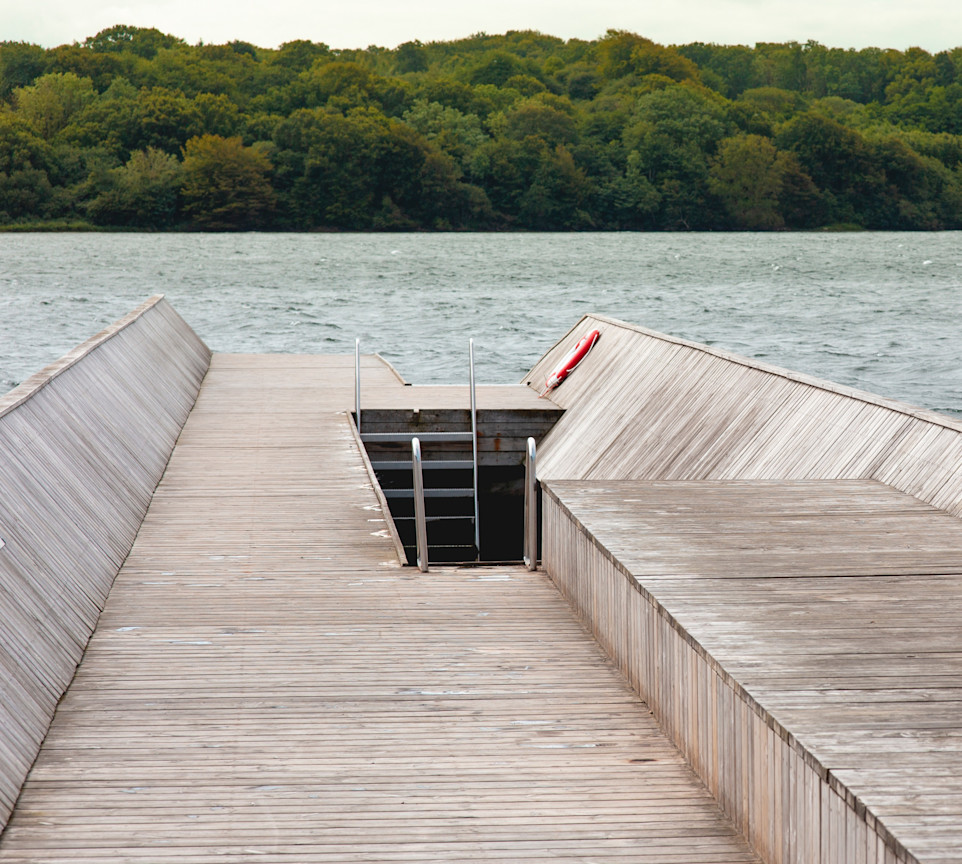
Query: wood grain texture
{"x": 267, "y": 683}
{"x": 800, "y": 641}
{"x": 82, "y": 446}
{"x": 643, "y": 405}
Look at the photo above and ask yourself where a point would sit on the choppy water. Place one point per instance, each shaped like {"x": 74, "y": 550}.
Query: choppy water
{"x": 875, "y": 311}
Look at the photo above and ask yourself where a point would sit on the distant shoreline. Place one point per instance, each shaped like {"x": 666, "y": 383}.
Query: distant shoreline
{"x": 56, "y": 227}
{"x": 523, "y": 131}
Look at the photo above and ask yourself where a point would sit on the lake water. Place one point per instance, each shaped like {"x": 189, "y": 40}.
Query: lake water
{"x": 876, "y": 311}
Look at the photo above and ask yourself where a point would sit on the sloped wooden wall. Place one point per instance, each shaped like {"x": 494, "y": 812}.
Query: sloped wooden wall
{"x": 647, "y": 406}
{"x": 82, "y": 446}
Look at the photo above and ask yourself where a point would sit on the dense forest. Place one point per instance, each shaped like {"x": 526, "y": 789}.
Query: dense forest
{"x": 133, "y": 128}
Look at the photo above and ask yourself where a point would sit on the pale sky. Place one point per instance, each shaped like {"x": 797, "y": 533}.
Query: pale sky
{"x": 934, "y": 25}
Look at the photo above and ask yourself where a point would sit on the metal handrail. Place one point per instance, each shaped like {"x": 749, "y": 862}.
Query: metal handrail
{"x": 357, "y": 383}
{"x": 474, "y": 448}
{"x": 420, "y": 522}
{"x": 530, "y": 507}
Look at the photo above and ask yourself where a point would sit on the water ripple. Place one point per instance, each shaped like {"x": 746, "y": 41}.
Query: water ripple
{"x": 874, "y": 311}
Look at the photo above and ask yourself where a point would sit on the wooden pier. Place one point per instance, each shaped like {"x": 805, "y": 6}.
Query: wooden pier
{"x": 770, "y": 564}
{"x": 267, "y": 683}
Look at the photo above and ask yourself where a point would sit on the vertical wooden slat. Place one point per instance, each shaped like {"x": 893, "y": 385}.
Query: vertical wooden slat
{"x": 82, "y": 446}
{"x": 763, "y": 774}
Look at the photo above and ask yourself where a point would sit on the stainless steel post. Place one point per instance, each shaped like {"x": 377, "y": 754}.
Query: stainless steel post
{"x": 474, "y": 446}
{"x": 420, "y": 522}
{"x": 530, "y": 507}
{"x": 357, "y": 383}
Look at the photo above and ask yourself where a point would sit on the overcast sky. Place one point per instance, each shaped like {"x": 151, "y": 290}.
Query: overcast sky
{"x": 931, "y": 24}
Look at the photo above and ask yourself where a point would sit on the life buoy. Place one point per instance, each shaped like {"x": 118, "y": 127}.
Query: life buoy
{"x": 571, "y": 360}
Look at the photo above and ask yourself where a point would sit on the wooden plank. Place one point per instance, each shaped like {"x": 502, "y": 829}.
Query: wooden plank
{"x": 82, "y": 446}
{"x": 643, "y": 405}
{"x": 829, "y": 613}
{"x": 266, "y": 679}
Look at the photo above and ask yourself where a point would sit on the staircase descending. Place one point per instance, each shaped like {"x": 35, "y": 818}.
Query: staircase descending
{"x": 471, "y": 468}
{"x": 450, "y": 478}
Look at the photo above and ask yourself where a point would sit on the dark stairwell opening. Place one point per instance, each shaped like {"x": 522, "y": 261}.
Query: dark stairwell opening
{"x": 448, "y": 471}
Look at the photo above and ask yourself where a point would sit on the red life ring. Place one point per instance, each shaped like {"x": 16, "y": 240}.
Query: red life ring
{"x": 571, "y": 360}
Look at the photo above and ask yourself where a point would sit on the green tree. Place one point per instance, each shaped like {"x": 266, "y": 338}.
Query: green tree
{"x": 621, "y": 53}
{"x": 218, "y": 115}
{"x": 299, "y": 55}
{"x": 916, "y": 189}
{"x": 226, "y": 185}
{"x": 20, "y": 64}
{"x": 495, "y": 68}
{"x": 453, "y": 132}
{"x": 142, "y": 41}
{"x": 216, "y": 69}
{"x": 503, "y": 168}
{"x": 733, "y": 65}
{"x": 101, "y": 68}
{"x": 838, "y": 161}
{"x": 617, "y": 132}
{"x": 144, "y": 193}
{"x": 25, "y": 188}
{"x": 928, "y": 106}
{"x": 482, "y": 100}
{"x": 526, "y": 85}
{"x": 50, "y": 102}
{"x": 773, "y": 103}
{"x": 944, "y": 147}
{"x": 747, "y": 176}
{"x": 111, "y": 122}
{"x": 781, "y": 65}
{"x": 557, "y": 196}
{"x": 364, "y": 170}
{"x": 534, "y": 118}
{"x": 581, "y": 81}
{"x": 25, "y": 193}
{"x": 800, "y": 202}
{"x": 411, "y": 57}
{"x": 165, "y": 119}
{"x": 346, "y": 85}
{"x": 675, "y": 132}
{"x": 614, "y": 53}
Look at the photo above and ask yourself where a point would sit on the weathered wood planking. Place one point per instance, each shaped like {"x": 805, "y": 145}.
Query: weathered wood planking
{"x": 82, "y": 446}
{"x": 647, "y": 406}
{"x": 266, "y": 683}
{"x": 801, "y": 642}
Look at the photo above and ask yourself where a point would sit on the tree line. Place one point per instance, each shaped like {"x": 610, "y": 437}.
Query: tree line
{"x": 134, "y": 128}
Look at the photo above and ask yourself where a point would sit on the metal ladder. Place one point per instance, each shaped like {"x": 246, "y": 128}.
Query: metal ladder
{"x": 451, "y": 505}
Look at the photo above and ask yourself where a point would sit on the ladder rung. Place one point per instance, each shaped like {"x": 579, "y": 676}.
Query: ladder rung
{"x": 429, "y": 493}
{"x": 467, "y": 517}
{"x": 426, "y": 465}
{"x": 393, "y": 437}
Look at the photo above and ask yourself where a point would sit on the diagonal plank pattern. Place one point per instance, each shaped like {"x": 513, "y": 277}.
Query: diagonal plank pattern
{"x": 267, "y": 684}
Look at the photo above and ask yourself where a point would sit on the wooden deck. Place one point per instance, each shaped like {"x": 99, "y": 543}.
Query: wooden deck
{"x": 267, "y": 684}
{"x": 800, "y": 640}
